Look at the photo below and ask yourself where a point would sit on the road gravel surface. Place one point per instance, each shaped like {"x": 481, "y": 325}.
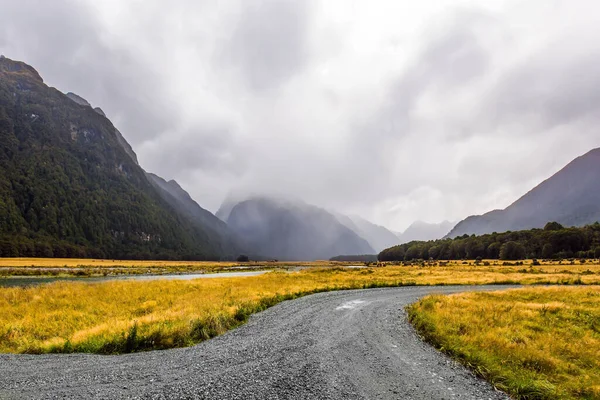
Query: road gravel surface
{"x": 337, "y": 345}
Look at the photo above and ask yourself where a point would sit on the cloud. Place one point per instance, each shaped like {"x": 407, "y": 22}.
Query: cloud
{"x": 268, "y": 44}
{"x": 394, "y": 111}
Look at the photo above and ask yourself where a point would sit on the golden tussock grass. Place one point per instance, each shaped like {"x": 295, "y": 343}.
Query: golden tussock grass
{"x": 125, "y": 316}
{"x": 96, "y": 267}
{"x": 534, "y": 343}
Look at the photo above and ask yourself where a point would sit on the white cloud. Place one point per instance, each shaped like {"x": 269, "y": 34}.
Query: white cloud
{"x": 392, "y": 110}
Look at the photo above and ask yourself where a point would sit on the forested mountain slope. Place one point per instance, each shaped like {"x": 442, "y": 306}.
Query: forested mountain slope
{"x": 70, "y": 184}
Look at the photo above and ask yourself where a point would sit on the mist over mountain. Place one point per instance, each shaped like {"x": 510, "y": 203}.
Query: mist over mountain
{"x": 217, "y": 232}
{"x": 291, "y": 230}
{"x": 70, "y": 184}
{"x": 379, "y": 237}
{"x": 570, "y": 197}
{"x": 420, "y": 230}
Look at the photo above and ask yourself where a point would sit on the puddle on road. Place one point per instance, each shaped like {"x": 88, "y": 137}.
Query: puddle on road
{"x": 350, "y": 305}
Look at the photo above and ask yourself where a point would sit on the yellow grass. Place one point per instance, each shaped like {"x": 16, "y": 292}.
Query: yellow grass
{"x": 535, "y": 343}
{"x": 122, "y": 316}
{"x": 96, "y": 267}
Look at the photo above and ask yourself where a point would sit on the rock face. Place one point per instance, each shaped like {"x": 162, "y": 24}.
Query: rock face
{"x": 291, "y": 231}
{"x": 70, "y": 184}
{"x": 124, "y": 144}
{"x": 78, "y": 99}
{"x": 420, "y": 230}
{"x": 570, "y": 197}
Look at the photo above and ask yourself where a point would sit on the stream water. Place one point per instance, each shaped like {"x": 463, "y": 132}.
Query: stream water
{"x": 24, "y": 281}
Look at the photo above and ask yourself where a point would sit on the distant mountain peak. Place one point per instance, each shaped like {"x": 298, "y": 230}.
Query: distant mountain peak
{"x": 290, "y": 229}
{"x": 378, "y": 236}
{"x": 571, "y": 197}
{"x": 421, "y": 230}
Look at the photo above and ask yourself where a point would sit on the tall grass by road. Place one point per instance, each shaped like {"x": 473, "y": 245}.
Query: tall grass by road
{"x": 534, "y": 343}
{"x": 126, "y": 316}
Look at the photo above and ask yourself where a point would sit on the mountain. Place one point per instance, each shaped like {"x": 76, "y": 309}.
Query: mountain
{"x": 70, "y": 184}
{"x": 377, "y": 236}
{"x": 420, "y": 230}
{"x": 570, "y": 197}
{"x": 291, "y": 231}
{"x": 183, "y": 203}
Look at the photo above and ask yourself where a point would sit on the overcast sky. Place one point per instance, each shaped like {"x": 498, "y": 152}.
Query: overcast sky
{"x": 393, "y": 110}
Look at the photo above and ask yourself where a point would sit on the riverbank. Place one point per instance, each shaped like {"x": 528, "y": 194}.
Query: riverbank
{"x": 126, "y": 316}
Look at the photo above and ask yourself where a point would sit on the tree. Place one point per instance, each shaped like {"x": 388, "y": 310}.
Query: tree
{"x": 512, "y": 251}
{"x": 547, "y": 251}
{"x": 553, "y": 226}
{"x": 493, "y": 250}
{"x": 413, "y": 252}
{"x": 597, "y": 252}
{"x": 434, "y": 252}
{"x": 243, "y": 258}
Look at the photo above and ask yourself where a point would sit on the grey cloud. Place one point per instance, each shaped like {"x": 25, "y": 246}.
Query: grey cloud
{"x": 451, "y": 59}
{"x": 551, "y": 90}
{"x": 269, "y": 44}
{"x": 446, "y": 62}
{"x": 216, "y": 152}
{"x": 256, "y": 94}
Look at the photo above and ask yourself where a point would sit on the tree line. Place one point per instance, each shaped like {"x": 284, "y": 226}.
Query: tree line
{"x": 554, "y": 241}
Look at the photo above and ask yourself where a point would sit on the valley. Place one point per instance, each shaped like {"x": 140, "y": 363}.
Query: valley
{"x": 389, "y": 215}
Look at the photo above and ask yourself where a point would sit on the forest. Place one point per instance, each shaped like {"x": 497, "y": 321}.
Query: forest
{"x": 552, "y": 242}
{"x": 69, "y": 189}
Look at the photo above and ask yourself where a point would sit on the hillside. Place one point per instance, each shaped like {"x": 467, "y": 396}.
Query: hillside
{"x": 570, "y": 197}
{"x": 420, "y": 230}
{"x": 291, "y": 230}
{"x": 70, "y": 184}
{"x": 552, "y": 242}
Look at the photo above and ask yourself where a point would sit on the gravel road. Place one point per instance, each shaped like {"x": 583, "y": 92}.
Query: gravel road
{"x": 337, "y": 345}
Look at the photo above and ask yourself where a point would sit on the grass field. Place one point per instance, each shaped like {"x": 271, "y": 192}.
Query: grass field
{"x": 91, "y": 267}
{"x": 534, "y": 343}
{"x": 125, "y": 316}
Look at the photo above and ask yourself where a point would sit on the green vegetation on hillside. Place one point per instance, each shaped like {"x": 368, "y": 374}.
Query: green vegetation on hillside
{"x": 552, "y": 242}
{"x": 68, "y": 188}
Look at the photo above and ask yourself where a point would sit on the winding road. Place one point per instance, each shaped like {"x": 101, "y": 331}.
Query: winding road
{"x": 337, "y": 345}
